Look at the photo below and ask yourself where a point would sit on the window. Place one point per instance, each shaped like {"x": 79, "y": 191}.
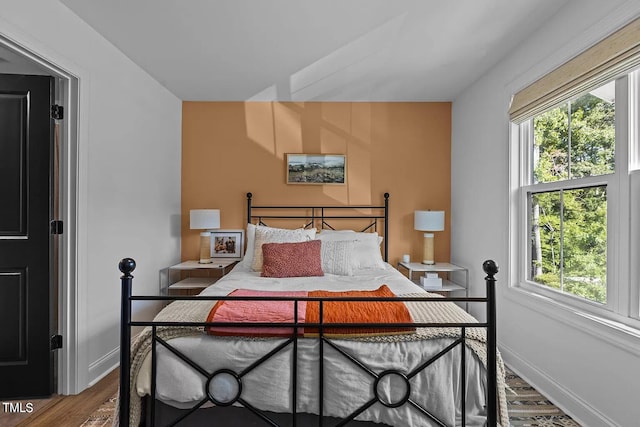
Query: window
{"x": 571, "y": 163}
{"x": 575, "y": 181}
{"x": 573, "y": 198}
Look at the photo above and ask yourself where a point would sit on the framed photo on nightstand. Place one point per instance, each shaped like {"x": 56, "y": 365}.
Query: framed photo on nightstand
{"x": 227, "y": 243}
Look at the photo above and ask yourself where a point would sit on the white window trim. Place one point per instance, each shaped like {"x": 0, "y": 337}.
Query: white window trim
{"x": 614, "y": 321}
{"x": 620, "y": 228}
{"x": 634, "y": 243}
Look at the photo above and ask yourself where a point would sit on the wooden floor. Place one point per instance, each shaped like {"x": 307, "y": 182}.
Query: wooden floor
{"x": 67, "y": 411}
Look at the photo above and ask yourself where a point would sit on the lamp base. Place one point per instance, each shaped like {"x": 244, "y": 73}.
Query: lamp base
{"x": 205, "y": 248}
{"x": 427, "y": 249}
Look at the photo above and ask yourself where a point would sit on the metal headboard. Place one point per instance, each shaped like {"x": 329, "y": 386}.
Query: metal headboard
{"x": 323, "y": 214}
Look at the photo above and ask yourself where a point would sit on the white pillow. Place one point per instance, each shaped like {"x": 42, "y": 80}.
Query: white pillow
{"x": 328, "y": 231}
{"x": 248, "y": 252}
{"x": 347, "y": 235}
{"x": 366, "y": 250}
{"x": 276, "y": 235}
{"x": 247, "y": 261}
{"x": 337, "y": 257}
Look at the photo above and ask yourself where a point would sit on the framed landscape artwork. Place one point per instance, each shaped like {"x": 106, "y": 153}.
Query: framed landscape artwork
{"x": 227, "y": 243}
{"x": 322, "y": 169}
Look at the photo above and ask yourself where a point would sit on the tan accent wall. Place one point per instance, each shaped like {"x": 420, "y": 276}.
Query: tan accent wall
{"x": 231, "y": 148}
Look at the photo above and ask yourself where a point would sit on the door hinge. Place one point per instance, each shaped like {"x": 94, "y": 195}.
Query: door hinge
{"x": 57, "y": 227}
{"x": 57, "y": 112}
{"x": 56, "y": 342}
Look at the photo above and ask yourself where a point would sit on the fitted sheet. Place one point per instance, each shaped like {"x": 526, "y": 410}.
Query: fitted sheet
{"x": 346, "y": 386}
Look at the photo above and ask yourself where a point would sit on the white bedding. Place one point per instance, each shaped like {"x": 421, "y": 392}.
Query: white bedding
{"x": 346, "y": 386}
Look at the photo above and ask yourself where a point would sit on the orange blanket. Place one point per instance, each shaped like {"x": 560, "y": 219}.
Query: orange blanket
{"x": 387, "y": 312}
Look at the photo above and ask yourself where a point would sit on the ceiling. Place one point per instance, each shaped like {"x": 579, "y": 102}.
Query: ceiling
{"x": 315, "y": 50}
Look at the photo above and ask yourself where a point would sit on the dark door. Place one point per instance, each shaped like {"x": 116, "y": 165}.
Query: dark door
{"x": 26, "y": 360}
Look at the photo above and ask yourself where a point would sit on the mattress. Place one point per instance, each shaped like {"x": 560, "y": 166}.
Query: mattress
{"x": 346, "y": 385}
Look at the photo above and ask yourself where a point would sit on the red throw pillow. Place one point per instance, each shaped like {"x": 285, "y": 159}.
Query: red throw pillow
{"x": 292, "y": 259}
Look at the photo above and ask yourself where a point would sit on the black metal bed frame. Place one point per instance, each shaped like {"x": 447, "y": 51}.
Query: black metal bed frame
{"x": 128, "y": 265}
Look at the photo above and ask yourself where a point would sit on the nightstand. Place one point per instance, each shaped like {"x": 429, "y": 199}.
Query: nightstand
{"x": 448, "y": 270}
{"x": 191, "y": 277}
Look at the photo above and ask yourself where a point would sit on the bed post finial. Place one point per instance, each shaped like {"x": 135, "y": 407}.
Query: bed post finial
{"x": 126, "y": 266}
{"x": 491, "y": 268}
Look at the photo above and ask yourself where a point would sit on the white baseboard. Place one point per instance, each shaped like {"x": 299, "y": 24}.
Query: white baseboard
{"x": 565, "y": 399}
{"x": 107, "y": 363}
{"x": 103, "y": 366}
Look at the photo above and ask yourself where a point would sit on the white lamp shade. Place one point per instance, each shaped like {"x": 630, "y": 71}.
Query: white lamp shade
{"x": 428, "y": 220}
{"x": 204, "y": 219}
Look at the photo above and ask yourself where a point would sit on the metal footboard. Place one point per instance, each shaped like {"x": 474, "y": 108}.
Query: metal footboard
{"x": 128, "y": 265}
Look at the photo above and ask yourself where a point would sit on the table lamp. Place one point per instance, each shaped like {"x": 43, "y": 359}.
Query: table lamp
{"x": 204, "y": 219}
{"x": 428, "y": 221}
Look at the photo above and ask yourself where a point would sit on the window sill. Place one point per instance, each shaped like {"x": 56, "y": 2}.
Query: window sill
{"x": 622, "y": 335}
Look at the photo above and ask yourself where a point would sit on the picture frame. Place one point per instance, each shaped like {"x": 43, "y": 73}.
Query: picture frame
{"x": 227, "y": 244}
{"x": 318, "y": 169}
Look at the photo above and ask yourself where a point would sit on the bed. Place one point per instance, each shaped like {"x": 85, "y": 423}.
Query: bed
{"x": 324, "y": 354}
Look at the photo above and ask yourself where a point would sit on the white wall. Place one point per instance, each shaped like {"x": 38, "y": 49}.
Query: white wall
{"x": 128, "y": 178}
{"x": 591, "y": 371}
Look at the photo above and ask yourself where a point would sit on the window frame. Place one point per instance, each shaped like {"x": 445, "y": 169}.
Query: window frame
{"x": 623, "y": 293}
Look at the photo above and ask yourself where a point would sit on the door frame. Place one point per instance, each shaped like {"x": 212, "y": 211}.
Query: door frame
{"x": 67, "y": 377}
